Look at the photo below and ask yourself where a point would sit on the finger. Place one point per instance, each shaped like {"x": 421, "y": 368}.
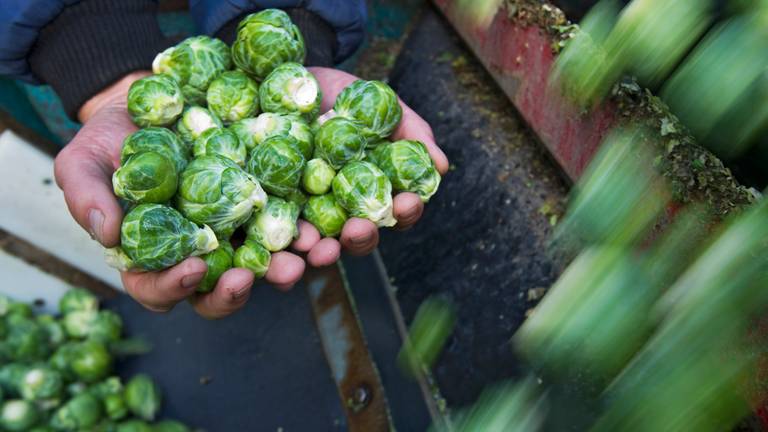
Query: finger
{"x": 308, "y": 237}
{"x": 326, "y": 252}
{"x": 413, "y": 127}
{"x": 332, "y": 82}
{"x": 86, "y": 181}
{"x": 359, "y": 236}
{"x": 284, "y": 270}
{"x": 231, "y": 293}
{"x": 160, "y": 291}
{"x": 408, "y": 209}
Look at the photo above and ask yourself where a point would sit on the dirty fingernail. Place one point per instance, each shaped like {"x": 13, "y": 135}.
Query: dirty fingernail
{"x": 192, "y": 281}
{"x": 360, "y": 240}
{"x": 96, "y": 223}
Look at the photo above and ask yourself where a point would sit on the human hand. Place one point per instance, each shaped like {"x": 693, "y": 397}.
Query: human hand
{"x": 361, "y": 236}
{"x": 83, "y": 170}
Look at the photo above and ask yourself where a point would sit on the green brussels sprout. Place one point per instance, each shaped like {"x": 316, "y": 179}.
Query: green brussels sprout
{"x": 106, "y": 327}
{"x": 155, "y": 100}
{"x": 325, "y": 214}
{"x": 157, "y": 140}
{"x": 11, "y": 376}
{"x": 371, "y": 103}
{"x": 216, "y": 191}
{"x": 90, "y": 361}
{"x": 194, "y": 121}
{"x": 41, "y": 383}
{"x": 301, "y": 132}
{"x": 133, "y": 426}
{"x": 18, "y": 415}
{"x": 142, "y": 396}
{"x": 78, "y": 299}
{"x": 297, "y": 197}
{"x": 61, "y": 360}
{"x": 194, "y": 63}
{"x": 339, "y": 141}
{"x": 76, "y": 388}
{"x": 5, "y": 304}
{"x": 317, "y": 177}
{"x": 81, "y": 412}
{"x": 291, "y": 89}
{"x": 19, "y": 309}
{"x": 222, "y": 142}
{"x": 155, "y": 237}
{"x": 265, "y": 40}
{"x": 42, "y": 429}
{"x": 109, "y": 386}
{"x": 254, "y": 257}
{"x": 233, "y": 96}
{"x": 218, "y": 262}
{"x": 365, "y": 192}
{"x": 27, "y": 341}
{"x": 53, "y": 328}
{"x": 254, "y": 131}
{"x": 277, "y": 164}
{"x": 146, "y": 178}
{"x": 408, "y": 166}
{"x": 114, "y": 406}
{"x": 274, "y": 226}
{"x": 169, "y": 426}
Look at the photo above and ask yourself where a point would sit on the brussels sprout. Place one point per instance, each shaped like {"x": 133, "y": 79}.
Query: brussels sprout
{"x": 277, "y": 164}
{"x": 339, "y": 141}
{"x": 275, "y": 225}
{"x": 146, "y": 178}
{"x": 5, "y": 304}
{"x": 114, "y": 406}
{"x": 90, "y": 361}
{"x": 18, "y": 415}
{"x": 301, "y": 132}
{"x": 41, "y": 383}
{"x": 325, "y": 214}
{"x": 222, "y": 142}
{"x": 78, "y": 299}
{"x": 133, "y": 426}
{"x": 365, "y": 191}
{"x": 233, "y": 96}
{"x": 254, "y": 131}
{"x": 194, "y": 121}
{"x": 317, "y": 177}
{"x": 218, "y": 262}
{"x": 373, "y": 104}
{"x": 81, "y": 412}
{"x": 155, "y": 101}
{"x": 408, "y": 166}
{"x": 265, "y": 40}
{"x": 169, "y": 426}
{"x": 254, "y": 257}
{"x": 53, "y": 329}
{"x": 76, "y": 388}
{"x": 61, "y": 360}
{"x": 27, "y": 341}
{"x": 194, "y": 63}
{"x": 11, "y": 376}
{"x": 142, "y": 396}
{"x": 291, "y": 89}
{"x": 19, "y": 309}
{"x": 106, "y": 327}
{"x": 155, "y": 237}
{"x": 157, "y": 140}
{"x": 215, "y": 191}
{"x": 297, "y": 197}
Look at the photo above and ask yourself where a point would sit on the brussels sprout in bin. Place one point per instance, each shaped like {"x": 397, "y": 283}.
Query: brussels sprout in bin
{"x": 106, "y": 327}
{"x": 11, "y": 375}
{"x": 114, "y": 406}
{"x": 61, "y": 360}
{"x": 18, "y": 415}
{"x": 90, "y": 361}
{"x": 194, "y": 63}
{"x": 155, "y": 100}
{"x": 291, "y": 89}
{"x": 157, "y": 140}
{"x": 155, "y": 237}
{"x": 218, "y": 262}
{"x": 78, "y": 299}
{"x": 339, "y": 141}
{"x": 373, "y": 104}
{"x": 233, "y": 96}
{"x": 54, "y": 329}
{"x": 275, "y": 225}
{"x": 325, "y": 214}
{"x": 365, "y": 192}
{"x": 146, "y": 178}
{"x": 41, "y": 383}
{"x": 254, "y": 257}
{"x": 79, "y": 413}
{"x": 133, "y": 426}
{"x": 215, "y": 191}
{"x": 278, "y": 165}
{"x": 408, "y": 166}
{"x": 317, "y": 177}
{"x": 169, "y": 426}
{"x": 265, "y": 40}
{"x": 194, "y": 121}
{"x": 222, "y": 142}
{"x": 26, "y": 339}
{"x": 142, "y": 396}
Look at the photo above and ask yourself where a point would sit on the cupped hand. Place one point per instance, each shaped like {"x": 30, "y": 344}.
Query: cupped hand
{"x": 83, "y": 170}
{"x": 361, "y": 236}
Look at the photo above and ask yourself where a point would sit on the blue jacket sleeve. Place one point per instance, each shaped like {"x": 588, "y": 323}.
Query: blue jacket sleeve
{"x": 347, "y": 17}
{"x": 20, "y": 24}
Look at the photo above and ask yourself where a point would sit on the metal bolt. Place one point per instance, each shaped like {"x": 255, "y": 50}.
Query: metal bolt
{"x": 359, "y": 398}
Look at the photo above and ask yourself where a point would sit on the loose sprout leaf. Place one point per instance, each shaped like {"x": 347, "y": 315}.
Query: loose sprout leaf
{"x": 264, "y": 41}
{"x": 325, "y": 214}
{"x": 274, "y": 226}
{"x": 371, "y": 103}
{"x": 278, "y": 165}
{"x": 233, "y": 96}
{"x": 291, "y": 89}
{"x": 155, "y": 100}
{"x": 340, "y": 141}
{"x": 408, "y": 166}
{"x": 365, "y": 192}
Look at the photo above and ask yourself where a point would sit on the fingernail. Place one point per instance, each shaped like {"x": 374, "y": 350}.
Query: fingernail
{"x": 96, "y": 222}
{"x": 360, "y": 240}
{"x": 192, "y": 281}
{"x": 408, "y": 215}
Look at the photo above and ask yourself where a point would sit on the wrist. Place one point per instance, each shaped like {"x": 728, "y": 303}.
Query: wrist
{"x": 113, "y": 95}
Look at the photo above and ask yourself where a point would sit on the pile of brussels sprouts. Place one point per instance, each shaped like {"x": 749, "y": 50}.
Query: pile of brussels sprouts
{"x": 233, "y": 138}
{"x": 56, "y": 373}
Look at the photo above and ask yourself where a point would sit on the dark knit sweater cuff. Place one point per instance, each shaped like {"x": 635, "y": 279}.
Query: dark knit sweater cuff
{"x": 319, "y": 36}
{"x": 94, "y": 43}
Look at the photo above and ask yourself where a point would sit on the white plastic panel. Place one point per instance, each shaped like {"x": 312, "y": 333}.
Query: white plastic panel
{"x": 24, "y": 282}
